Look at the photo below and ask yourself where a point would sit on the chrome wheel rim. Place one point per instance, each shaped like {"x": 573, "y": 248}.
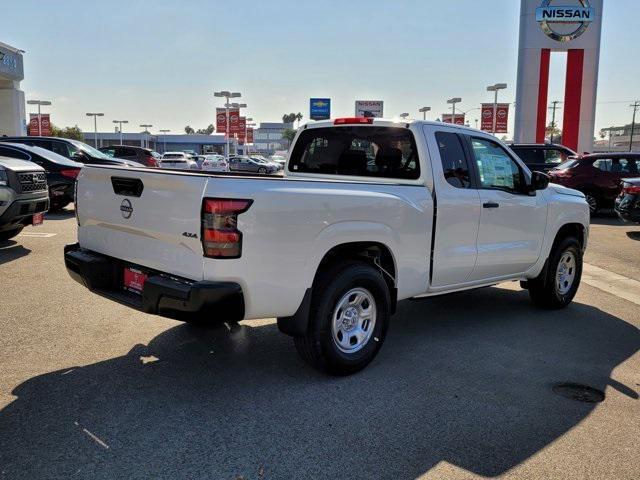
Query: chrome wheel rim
{"x": 593, "y": 205}
{"x": 565, "y": 272}
{"x": 353, "y": 320}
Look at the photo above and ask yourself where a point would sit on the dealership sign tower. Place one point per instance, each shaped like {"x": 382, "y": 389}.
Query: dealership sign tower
{"x": 546, "y": 26}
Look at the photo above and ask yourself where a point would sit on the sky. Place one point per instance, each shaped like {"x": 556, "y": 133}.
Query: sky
{"x": 159, "y": 62}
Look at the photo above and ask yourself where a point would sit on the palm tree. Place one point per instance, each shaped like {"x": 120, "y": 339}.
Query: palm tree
{"x": 298, "y": 117}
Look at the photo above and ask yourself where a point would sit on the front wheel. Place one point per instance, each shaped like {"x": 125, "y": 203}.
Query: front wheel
{"x": 556, "y": 286}
{"x": 592, "y": 202}
{"x": 348, "y": 320}
{"x": 262, "y": 170}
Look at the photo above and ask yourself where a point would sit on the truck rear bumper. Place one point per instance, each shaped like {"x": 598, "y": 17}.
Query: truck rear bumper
{"x": 162, "y": 294}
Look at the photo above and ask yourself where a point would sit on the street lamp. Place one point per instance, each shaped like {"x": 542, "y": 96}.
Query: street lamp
{"x": 495, "y": 88}
{"x": 120, "y": 128}
{"x": 404, "y": 115}
{"x": 39, "y": 103}
{"x": 227, "y": 95}
{"x": 453, "y": 102}
{"x": 424, "y": 111}
{"x": 164, "y": 132}
{"x": 146, "y": 127}
{"x": 95, "y": 125}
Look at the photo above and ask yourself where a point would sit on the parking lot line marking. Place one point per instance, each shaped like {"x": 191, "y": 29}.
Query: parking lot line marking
{"x": 37, "y": 234}
{"x": 613, "y": 283}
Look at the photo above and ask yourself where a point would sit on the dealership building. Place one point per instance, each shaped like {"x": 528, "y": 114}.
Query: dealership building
{"x": 12, "y": 107}
{"x": 160, "y": 143}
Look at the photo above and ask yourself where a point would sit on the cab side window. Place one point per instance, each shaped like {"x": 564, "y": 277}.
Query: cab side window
{"x": 497, "y": 170}
{"x": 454, "y": 161}
{"x": 603, "y": 164}
{"x": 554, "y": 156}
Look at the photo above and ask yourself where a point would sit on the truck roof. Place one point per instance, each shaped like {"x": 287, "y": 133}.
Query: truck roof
{"x": 380, "y": 122}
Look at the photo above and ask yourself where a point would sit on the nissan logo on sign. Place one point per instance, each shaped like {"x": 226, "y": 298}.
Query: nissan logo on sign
{"x": 549, "y": 15}
{"x": 126, "y": 209}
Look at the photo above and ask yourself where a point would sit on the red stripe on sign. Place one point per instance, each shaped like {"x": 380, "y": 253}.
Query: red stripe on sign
{"x": 543, "y": 91}
{"x": 572, "y": 98}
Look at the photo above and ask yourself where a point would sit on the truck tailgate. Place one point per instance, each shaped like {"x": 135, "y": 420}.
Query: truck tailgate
{"x": 149, "y": 218}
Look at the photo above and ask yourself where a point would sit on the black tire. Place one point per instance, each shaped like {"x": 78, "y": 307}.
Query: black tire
{"x": 544, "y": 290}
{"x": 262, "y": 170}
{"x": 592, "y": 201}
{"x": 8, "y": 234}
{"x": 57, "y": 206}
{"x": 318, "y": 348}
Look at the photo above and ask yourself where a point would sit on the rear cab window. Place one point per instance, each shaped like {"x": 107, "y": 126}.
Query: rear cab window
{"x": 383, "y": 152}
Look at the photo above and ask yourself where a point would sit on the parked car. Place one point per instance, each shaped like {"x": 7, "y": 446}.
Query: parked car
{"x": 144, "y": 156}
{"x": 542, "y": 156}
{"x": 627, "y": 204}
{"x": 215, "y": 163}
{"x": 74, "y": 150}
{"x": 178, "y": 160}
{"x": 263, "y": 160}
{"x": 332, "y": 246}
{"x": 24, "y": 197}
{"x": 198, "y": 159}
{"x": 279, "y": 159}
{"x": 61, "y": 172}
{"x": 248, "y": 164}
{"x": 597, "y": 175}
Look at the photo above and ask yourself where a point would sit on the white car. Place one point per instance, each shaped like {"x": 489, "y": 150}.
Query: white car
{"x": 215, "y": 163}
{"x": 178, "y": 160}
{"x": 369, "y": 212}
{"x": 279, "y": 159}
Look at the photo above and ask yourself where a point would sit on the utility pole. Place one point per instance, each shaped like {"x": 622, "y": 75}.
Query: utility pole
{"x": 95, "y": 116}
{"x": 120, "y": 129}
{"x": 635, "y": 107}
{"x": 553, "y": 117}
{"x": 145, "y": 140}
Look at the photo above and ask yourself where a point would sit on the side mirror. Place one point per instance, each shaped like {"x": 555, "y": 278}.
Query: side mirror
{"x": 539, "y": 181}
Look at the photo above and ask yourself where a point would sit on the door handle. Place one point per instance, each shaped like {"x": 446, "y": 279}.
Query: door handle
{"x": 490, "y": 205}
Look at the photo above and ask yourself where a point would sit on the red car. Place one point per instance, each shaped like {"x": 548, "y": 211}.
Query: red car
{"x": 598, "y": 176}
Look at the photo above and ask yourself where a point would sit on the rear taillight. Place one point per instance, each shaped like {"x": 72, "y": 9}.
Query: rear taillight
{"x": 71, "y": 173}
{"x": 631, "y": 189}
{"x": 352, "y": 120}
{"x": 220, "y": 235}
{"x": 152, "y": 162}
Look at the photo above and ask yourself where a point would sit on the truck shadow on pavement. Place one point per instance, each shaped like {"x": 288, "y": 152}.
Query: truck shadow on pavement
{"x": 466, "y": 379}
{"x": 11, "y": 250}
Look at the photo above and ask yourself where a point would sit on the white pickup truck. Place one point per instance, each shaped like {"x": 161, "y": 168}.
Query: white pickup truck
{"x": 369, "y": 212}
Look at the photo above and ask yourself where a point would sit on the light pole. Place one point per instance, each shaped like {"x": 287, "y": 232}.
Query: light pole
{"x": 237, "y": 106}
{"x": 404, "y": 115}
{"x": 453, "y": 102}
{"x": 635, "y": 107}
{"x": 95, "y": 125}
{"x": 120, "y": 127}
{"x": 146, "y": 127}
{"x": 39, "y": 103}
{"x": 424, "y": 111}
{"x": 164, "y": 132}
{"x": 227, "y": 95}
{"x": 495, "y": 88}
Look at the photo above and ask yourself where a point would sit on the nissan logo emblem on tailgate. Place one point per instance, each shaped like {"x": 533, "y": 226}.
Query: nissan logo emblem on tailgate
{"x": 126, "y": 208}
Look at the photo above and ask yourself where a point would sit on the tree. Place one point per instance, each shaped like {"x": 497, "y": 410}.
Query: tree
{"x": 553, "y": 133}
{"x": 289, "y": 117}
{"x": 289, "y": 134}
{"x": 206, "y": 131}
{"x": 188, "y": 130}
{"x": 73, "y": 133}
{"x": 299, "y": 117}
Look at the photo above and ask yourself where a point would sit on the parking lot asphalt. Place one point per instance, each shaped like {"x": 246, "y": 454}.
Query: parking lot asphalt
{"x": 463, "y": 387}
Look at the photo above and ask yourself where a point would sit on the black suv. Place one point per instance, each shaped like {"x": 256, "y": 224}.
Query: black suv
{"x": 73, "y": 150}
{"x": 61, "y": 172}
{"x": 542, "y": 156}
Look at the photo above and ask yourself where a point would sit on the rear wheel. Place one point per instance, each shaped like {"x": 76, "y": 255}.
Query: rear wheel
{"x": 7, "y": 234}
{"x": 593, "y": 203}
{"x": 349, "y": 318}
{"x": 556, "y": 286}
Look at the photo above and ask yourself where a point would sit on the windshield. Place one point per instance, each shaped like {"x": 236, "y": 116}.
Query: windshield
{"x": 172, "y": 156}
{"x": 89, "y": 149}
{"x": 155, "y": 154}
